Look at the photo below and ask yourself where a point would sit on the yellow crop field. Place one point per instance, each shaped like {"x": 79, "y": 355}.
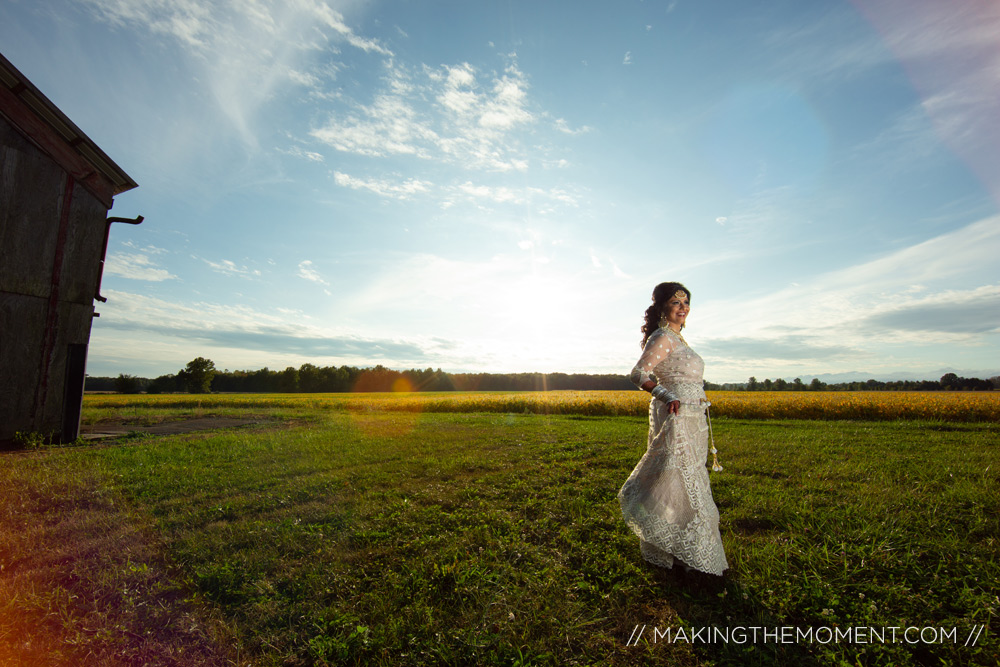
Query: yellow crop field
{"x": 879, "y": 406}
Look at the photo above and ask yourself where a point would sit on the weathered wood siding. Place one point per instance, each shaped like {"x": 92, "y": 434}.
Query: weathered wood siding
{"x": 51, "y": 239}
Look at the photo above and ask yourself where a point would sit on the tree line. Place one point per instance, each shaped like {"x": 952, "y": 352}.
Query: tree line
{"x": 201, "y": 376}
{"x": 948, "y": 382}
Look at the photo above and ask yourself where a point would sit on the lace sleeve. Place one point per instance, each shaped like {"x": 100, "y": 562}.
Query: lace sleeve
{"x": 657, "y": 348}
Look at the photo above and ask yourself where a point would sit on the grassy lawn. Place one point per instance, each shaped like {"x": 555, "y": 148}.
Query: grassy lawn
{"x": 338, "y": 537}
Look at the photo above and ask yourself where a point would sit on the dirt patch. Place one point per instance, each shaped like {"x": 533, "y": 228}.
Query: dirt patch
{"x": 102, "y": 431}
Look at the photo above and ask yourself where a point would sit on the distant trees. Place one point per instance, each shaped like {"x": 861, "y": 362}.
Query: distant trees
{"x": 952, "y": 382}
{"x": 127, "y": 384}
{"x": 948, "y": 382}
{"x": 165, "y": 384}
{"x": 288, "y": 380}
{"x": 201, "y": 376}
{"x": 197, "y": 376}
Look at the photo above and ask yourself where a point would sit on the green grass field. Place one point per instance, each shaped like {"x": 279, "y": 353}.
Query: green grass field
{"x": 346, "y": 536}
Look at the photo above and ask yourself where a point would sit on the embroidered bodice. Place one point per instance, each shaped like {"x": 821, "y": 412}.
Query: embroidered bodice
{"x": 668, "y": 361}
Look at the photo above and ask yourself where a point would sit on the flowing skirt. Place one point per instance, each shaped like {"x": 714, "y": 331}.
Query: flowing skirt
{"x": 667, "y": 500}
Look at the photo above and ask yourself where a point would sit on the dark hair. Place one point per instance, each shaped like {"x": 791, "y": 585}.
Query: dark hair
{"x": 661, "y": 294}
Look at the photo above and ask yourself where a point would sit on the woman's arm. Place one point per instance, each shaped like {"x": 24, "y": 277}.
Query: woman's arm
{"x": 657, "y": 348}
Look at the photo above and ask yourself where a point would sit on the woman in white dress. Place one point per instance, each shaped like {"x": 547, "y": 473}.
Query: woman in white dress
{"x": 667, "y": 500}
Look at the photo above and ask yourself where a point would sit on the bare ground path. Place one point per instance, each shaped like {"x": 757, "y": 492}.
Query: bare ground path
{"x": 114, "y": 430}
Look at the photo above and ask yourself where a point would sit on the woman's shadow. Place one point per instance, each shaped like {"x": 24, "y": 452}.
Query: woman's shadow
{"x": 724, "y": 619}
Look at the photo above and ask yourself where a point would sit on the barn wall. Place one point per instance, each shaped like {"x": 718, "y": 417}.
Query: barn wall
{"x": 51, "y": 239}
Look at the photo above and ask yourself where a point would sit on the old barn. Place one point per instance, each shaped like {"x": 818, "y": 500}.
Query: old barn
{"x": 56, "y": 188}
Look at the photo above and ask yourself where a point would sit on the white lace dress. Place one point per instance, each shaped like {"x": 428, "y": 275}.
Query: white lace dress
{"x": 667, "y": 500}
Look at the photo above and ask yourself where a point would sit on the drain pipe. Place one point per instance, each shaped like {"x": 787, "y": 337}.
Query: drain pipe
{"x": 104, "y": 251}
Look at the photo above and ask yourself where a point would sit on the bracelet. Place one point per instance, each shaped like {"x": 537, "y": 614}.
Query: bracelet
{"x": 660, "y": 392}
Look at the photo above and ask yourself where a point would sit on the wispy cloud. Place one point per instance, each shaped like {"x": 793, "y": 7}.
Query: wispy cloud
{"x": 230, "y": 268}
{"x": 225, "y": 328}
{"x": 628, "y": 58}
{"x": 243, "y": 51}
{"x": 953, "y": 57}
{"x": 384, "y": 188}
{"x": 950, "y": 53}
{"x": 513, "y": 195}
{"x": 307, "y": 272}
{"x": 496, "y": 194}
{"x": 806, "y": 52}
{"x": 886, "y": 301}
{"x": 297, "y": 151}
{"x": 906, "y": 144}
{"x": 450, "y": 114}
{"x": 975, "y": 311}
{"x": 188, "y": 21}
{"x": 761, "y": 215}
{"x": 136, "y": 266}
{"x": 794, "y": 347}
{"x": 147, "y": 249}
{"x": 448, "y": 195}
{"x": 564, "y": 127}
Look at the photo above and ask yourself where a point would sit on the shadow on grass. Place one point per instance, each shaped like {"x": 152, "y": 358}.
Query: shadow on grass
{"x": 724, "y": 621}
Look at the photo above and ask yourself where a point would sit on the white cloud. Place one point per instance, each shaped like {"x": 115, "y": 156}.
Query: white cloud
{"x": 497, "y": 194}
{"x": 230, "y": 268}
{"x": 959, "y": 313}
{"x": 303, "y": 78}
{"x": 564, "y": 127}
{"x": 383, "y": 188}
{"x": 146, "y": 249}
{"x": 389, "y": 126}
{"x": 296, "y": 151}
{"x": 518, "y": 196}
{"x": 556, "y": 194}
{"x": 241, "y": 337}
{"x": 471, "y": 121}
{"x": 188, "y": 21}
{"x": 628, "y": 58}
{"x": 307, "y": 272}
{"x": 243, "y": 52}
{"x": 506, "y": 108}
{"x": 136, "y": 266}
{"x": 335, "y": 20}
{"x": 862, "y": 306}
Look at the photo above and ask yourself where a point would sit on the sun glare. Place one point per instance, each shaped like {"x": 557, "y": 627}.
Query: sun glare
{"x": 531, "y": 319}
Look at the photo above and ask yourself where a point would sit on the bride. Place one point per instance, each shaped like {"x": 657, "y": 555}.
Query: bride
{"x": 667, "y": 500}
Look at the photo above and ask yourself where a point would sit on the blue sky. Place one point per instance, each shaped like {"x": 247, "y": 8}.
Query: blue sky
{"x": 498, "y": 186}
